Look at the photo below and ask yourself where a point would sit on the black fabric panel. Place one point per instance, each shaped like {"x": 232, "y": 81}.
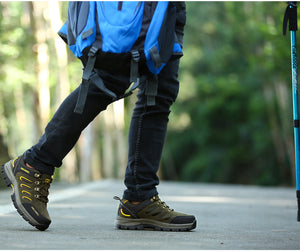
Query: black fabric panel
{"x": 166, "y": 36}
{"x": 149, "y": 9}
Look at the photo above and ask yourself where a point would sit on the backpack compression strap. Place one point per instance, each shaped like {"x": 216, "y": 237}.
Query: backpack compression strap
{"x": 151, "y": 89}
{"x": 90, "y": 76}
{"x": 151, "y": 81}
{"x": 85, "y": 81}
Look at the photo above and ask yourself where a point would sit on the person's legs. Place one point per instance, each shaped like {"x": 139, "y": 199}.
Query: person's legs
{"x": 30, "y": 184}
{"x": 141, "y": 208}
{"x": 147, "y": 135}
{"x": 64, "y": 129}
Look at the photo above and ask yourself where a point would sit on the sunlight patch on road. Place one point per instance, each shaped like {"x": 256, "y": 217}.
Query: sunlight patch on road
{"x": 6, "y": 209}
{"x": 64, "y": 194}
{"x": 230, "y": 200}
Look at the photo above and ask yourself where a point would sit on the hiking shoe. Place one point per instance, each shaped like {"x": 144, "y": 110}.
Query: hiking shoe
{"x": 30, "y": 192}
{"x": 152, "y": 214}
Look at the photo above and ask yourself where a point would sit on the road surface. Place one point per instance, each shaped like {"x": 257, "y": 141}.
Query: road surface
{"x": 228, "y": 217}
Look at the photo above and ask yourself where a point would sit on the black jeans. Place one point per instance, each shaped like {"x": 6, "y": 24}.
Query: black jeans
{"x": 146, "y": 134}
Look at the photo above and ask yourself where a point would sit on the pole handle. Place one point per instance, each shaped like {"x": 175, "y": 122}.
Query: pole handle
{"x": 290, "y": 16}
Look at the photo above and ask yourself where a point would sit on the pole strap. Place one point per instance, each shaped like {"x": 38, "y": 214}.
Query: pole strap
{"x": 290, "y": 16}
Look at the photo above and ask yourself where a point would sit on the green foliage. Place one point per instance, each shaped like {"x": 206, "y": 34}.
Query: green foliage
{"x": 232, "y": 120}
{"x": 219, "y": 130}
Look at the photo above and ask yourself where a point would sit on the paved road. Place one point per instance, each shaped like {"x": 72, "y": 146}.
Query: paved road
{"x": 229, "y": 217}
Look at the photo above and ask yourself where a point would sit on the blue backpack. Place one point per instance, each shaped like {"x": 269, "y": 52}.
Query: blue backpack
{"x": 137, "y": 38}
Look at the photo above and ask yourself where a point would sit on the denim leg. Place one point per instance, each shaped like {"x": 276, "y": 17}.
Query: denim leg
{"x": 147, "y": 134}
{"x": 64, "y": 129}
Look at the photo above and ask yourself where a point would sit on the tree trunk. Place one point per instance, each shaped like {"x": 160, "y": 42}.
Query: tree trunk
{"x": 86, "y": 146}
{"x": 120, "y": 141}
{"x": 114, "y": 142}
{"x": 4, "y": 157}
{"x": 108, "y": 152}
{"x": 63, "y": 85}
{"x": 39, "y": 28}
{"x": 280, "y": 127}
{"x": 62, "y": 88}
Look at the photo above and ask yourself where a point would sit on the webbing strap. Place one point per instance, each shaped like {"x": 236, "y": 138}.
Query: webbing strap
{"x": 151, "y": 90}
{"x": 134, "y": 66}
{"x": 85, "y": 81}
{"x": 97, "y": 80}
{"x": 155, "y": 56}
{"x": 81, "y": 97}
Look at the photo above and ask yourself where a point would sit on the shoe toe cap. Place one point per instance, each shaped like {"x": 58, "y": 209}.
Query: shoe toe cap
{"x": 183, "y": 219}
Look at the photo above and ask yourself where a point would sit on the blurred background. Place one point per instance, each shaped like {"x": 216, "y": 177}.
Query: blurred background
{"x": 232, "y": 122}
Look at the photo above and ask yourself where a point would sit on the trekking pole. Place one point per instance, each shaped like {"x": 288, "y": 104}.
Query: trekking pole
{"x": 291, "y": 16}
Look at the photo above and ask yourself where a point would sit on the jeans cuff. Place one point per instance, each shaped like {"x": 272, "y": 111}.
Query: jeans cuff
{"x": 139, "y": 195}
{"x": 42, "y": 168}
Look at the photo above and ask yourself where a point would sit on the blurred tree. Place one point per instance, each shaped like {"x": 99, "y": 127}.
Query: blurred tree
{"x": 3, "y": 145}
{"x": 39, "y": 24}
{"x": 62, "y": 86}
{"x": 232, "y": 120}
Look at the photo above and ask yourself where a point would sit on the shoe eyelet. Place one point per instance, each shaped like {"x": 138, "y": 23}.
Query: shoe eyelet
{"x": 37, "y": 196}
{"x": 36, "y": 189}
{"x": 37, "y": 182}
{"x": 37, "y": 175}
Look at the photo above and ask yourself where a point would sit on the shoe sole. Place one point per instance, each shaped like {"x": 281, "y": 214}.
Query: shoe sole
{"x": 142, "y": 224}
{"x": 11, "y": 181}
